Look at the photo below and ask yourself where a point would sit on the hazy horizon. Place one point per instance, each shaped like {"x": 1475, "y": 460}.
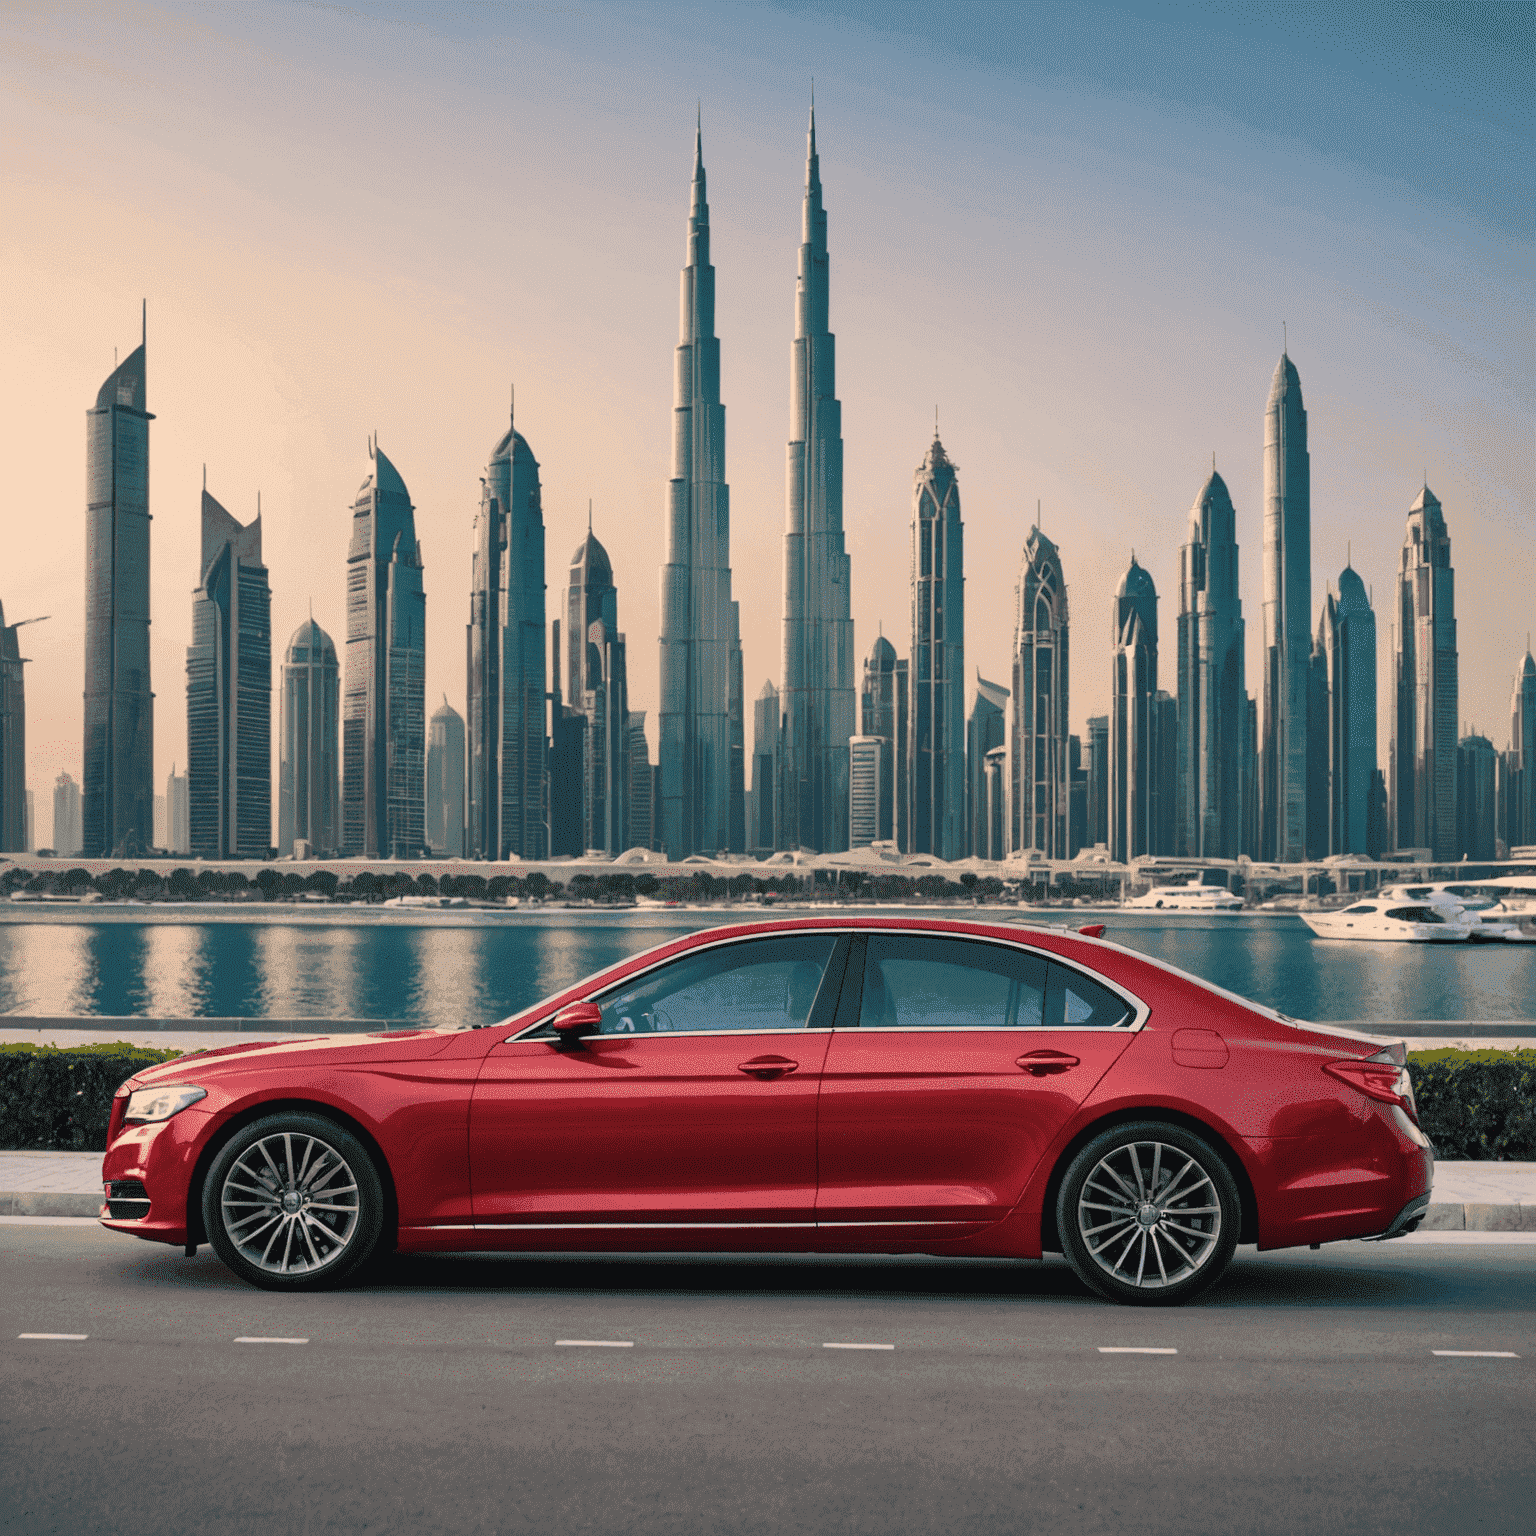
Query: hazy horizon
{"x": 1077, "y": 236}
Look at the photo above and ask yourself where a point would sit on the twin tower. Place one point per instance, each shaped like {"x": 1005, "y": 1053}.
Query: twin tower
{"x": 702, "y": 801}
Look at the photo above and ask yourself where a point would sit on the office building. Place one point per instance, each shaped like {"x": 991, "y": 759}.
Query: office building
{"x": 178, "y": 817}
{"x": 13, "y": 741}
{"x": 884, "y": 715}
{"x": 1287, "y": 613}
{"x": 816, "y": 690}
{"x": 700, "y": 742}
{"x": 506, "y": 664}
{"x": 309, "y": 736}
{"x": 765, "y": 737}
{"x": 1518, "y": 773}
{"x": 868, "y": 757}
{"x": 445, "y": 782}
{"x": 986, "y": 729}
{"x": 117, "y": 796}
{"x": 1134, "y": 719}
{"x": 935, "y": 748}
{"x": 1210, "y": 681}
{"x": 1348, "y": 638}
{"x": 1423, "y": 768}
{"x": 642, "y": 784}
{"x": 597, "y": 677}
{"x": 1476, "y": 798}
{"x": 1040, "y": 791}
{"x": 66, "y": 816}
{"x": 229, "y": 693}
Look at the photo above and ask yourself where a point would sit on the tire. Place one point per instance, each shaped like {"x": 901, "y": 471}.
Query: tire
{"x": 293, "y": 1202}
{"x": 1146, "y": 1252}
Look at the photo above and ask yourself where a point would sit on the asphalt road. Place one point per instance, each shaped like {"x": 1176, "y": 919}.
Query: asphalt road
{"x": 701, "y": 1396}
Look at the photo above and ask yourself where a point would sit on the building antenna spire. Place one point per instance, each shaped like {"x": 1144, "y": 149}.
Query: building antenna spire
{"x": 144, "y": 323}
{"x": 1349, "y": 554}
{"x": 589, "y": 517}
{"x": 1285, "y": 339}
{"x": 205, "y": 475}
{"x": 512, "y": 404}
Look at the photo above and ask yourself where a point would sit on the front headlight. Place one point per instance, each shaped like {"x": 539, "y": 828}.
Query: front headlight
{"x": 150, "y": 1104}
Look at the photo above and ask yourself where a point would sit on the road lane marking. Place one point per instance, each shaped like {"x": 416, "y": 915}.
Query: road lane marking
{"x": 858, "y": 1346}
{"x": 594, "y": 1343}
{"x": 53, "y": 1335}
{"x": 1478, "y": 1354}
{"x": 254, "y": 1339}
{"x": 1132, "y": 1349}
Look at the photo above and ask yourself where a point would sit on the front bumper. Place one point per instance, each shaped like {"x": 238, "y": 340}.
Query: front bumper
{"x": 162, "y": 1158}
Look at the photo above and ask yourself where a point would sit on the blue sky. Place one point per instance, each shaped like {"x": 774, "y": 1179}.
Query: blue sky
{"x": 1077, "y": 230}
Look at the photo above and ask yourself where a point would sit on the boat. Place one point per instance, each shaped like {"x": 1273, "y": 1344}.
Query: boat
{"x": 1493, "y": 918}
{"x": 1188, "y": 897}
{"x": 1381, "y": 922}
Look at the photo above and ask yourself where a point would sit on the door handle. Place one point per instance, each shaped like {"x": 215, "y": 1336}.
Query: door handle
{"x": 766, "y": 1068}
{"x": 1040, "y": 1063}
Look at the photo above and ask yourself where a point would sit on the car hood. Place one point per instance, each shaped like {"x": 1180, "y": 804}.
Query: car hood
{"x": 332, "y": 1050}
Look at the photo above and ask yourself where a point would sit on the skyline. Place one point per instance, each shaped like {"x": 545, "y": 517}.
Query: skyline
{"x": 1120, "y": 498}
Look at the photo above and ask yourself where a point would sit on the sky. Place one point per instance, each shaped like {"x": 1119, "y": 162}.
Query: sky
{"x": 1077, "y": 232}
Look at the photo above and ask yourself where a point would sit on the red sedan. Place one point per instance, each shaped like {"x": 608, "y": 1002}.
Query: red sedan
{"x": 814, "y": 1085}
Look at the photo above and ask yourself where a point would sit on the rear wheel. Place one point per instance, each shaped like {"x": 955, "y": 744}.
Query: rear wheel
{"x": 293, "y": 1203}
{"x": 1148, "y": 1214}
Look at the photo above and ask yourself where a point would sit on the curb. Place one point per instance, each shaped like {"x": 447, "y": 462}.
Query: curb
{"x": 1439, "y": 1218}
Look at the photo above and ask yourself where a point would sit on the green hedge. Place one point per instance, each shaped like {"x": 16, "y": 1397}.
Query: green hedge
{"x": 1476, "y": 1106}
{"x": 59, "y": 1100}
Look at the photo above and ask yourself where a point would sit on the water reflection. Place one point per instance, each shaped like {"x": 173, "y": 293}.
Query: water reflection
{"x": 476, "y": 974}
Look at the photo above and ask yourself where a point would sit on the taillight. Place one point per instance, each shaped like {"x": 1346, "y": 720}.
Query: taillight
{"x": 1378, "y": 1077}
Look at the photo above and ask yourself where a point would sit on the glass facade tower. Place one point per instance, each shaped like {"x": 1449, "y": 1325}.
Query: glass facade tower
{"x": 308, "y": 783}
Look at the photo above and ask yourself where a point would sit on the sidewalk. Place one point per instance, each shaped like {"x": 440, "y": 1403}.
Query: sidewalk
{"x": 1469, "y": 1197}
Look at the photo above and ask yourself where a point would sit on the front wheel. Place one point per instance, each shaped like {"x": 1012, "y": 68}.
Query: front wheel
{"x": 293, "y": 1203}
{"x": 1148, "y": 1215}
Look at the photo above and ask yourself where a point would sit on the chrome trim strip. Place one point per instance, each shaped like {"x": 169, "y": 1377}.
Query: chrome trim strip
{"x": 674, "y": 1226}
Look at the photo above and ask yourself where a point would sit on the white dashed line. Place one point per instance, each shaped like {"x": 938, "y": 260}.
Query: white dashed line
{"x": 858, "y": 1346}
{"x": 594, "y": 1343}
{"x": 1478, "y": 1354}
{"x": 1127, "y": 1349}
{"x": 251, "y": 1339}
{"x": 53, "y": 1335}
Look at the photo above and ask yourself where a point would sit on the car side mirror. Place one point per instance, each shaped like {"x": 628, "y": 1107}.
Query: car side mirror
{"x": 574, "y": 1023}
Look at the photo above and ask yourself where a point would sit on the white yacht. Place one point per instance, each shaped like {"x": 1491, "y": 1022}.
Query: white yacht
{"x": 1492, "y": 915}
{"x": 1189, "y": 897}
{"x": 1387, "y": 922}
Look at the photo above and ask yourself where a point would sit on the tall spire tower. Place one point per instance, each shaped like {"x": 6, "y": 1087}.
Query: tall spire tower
{"x": 816, "y": 696}
{"x": 701, "y": 777}
{"x": 1287, "y": 619}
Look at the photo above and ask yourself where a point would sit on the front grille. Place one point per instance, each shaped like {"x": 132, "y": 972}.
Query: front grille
{"x": 127, "y": 1200}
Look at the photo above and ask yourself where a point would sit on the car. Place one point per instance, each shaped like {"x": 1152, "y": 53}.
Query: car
{"x": 897, "y": 1085}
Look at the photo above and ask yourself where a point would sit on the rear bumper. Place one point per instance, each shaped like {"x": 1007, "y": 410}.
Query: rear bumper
{"x": 1405, "y": 1220}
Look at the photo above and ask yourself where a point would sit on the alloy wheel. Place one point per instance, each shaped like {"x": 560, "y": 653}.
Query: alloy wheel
{"x": 290, "y": 1204}
{"x": 1149, "y": 1215}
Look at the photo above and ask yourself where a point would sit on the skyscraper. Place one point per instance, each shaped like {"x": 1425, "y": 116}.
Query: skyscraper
{"x": 765, "y": 740}
{"x": 1133, "y": 718}
{"x": 445, "y": 781}
{"x": 1210, "y": 682}
{"x": 1319, "y": 746}
{"x": 505, "y": 659}
{"x": 597, "y": 674}
{"x": 1476, "y": 797}
{"x": 1424, "y": 735}
{"x": 867, "y": 764}
{"x": 642, "y": 784}
{"x": 700, "y": 722}
{"x": 986, "y": 729}
{"x": 178, "y": 820}
{"x": 1349, "y": 643}
{"x": 1519, "y": 816}
{"x": 816, "y": 697}
{"x": 383, "y": 715}
{"x": 1287, "y": 618}
{"x": 13, "y": 742}
{"x": 229, "y": 693}
{"x": 117, "y": 809}
{"x": 66, "y": 816}
{"x": 1040, "y": 793}
{"x": 1097, "y": 832}
{"x": 309, "y": 785}
{"x": 936, "y": 746}
{"x": 884, "y": 715}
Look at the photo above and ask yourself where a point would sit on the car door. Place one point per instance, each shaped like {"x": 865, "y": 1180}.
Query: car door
{"x": 695, "y": 1104}
{"x": 948, "y": 1077}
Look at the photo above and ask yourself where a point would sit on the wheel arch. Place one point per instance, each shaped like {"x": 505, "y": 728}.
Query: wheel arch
{"x": 1050, "y": 1239}
{"x": 196, "y": 1233}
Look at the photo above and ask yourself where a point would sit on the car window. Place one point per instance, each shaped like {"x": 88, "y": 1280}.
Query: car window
{"x": 1075, "y": 1001}
{"x": 917, "y": 981}
{"x": 761, "y": 984}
